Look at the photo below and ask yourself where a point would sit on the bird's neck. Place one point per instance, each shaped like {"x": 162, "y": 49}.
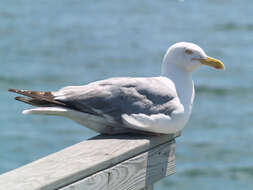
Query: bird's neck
{"x": 183, "y": 82}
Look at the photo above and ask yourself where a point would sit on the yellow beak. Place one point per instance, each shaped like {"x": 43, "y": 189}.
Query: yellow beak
{"x": 209, "y": 61}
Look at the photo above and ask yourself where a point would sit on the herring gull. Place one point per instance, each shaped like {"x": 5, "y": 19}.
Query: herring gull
{"x": 157, "y": 105}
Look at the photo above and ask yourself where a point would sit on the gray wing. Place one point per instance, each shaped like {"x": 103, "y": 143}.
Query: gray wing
{"x": 117, "y": 96}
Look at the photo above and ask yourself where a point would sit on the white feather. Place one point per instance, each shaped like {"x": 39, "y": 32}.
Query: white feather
{"x": 157, "y": 123}
{"x": 93, "y": 122}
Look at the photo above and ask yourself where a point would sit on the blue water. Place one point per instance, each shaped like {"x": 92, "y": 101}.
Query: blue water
{"x": 46, "y": 44}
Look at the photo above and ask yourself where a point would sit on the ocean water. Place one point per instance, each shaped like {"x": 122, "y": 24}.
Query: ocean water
{"x": 45, "y": 45}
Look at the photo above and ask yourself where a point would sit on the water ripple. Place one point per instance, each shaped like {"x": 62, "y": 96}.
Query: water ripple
{"x": 231, "y": 26}
{"x": 4, "y": 80}
{"x": 230, "y": 172}
{"x": 221, "y": 91}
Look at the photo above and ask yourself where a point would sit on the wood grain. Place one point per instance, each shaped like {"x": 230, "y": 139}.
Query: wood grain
{"x": 79, "y": 161}
{"x": 133, "y": 174}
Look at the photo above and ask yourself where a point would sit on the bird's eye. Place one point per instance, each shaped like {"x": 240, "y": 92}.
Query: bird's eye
{"x": 188, "y": 51}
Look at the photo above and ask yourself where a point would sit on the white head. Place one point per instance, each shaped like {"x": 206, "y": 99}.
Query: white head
{"x": 188, "y": 57}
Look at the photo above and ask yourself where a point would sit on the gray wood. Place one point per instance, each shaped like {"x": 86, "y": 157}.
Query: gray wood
{"x": 133, "y": 174}
{"x": 79, "y": 161}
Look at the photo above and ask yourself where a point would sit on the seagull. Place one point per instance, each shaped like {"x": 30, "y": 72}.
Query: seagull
{"x": 155, "y": 105}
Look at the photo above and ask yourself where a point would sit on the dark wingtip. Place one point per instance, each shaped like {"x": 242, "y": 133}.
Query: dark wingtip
{"x": 23, "y": 99}
{"x": 13, "y": 90}
{"x": 18, "y": 98}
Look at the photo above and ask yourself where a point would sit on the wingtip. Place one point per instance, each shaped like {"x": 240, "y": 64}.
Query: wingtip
{"x": 12, "y": 90}
{"x": 17, "y": 98}
{"x": 22, "y": 99}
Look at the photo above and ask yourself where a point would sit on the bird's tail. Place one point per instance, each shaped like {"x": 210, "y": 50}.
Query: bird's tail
{"x": 44, "y": 101}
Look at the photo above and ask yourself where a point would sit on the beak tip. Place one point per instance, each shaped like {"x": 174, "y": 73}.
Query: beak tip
{"x": 221, "y": 67}
{"x": 215, "y": 63}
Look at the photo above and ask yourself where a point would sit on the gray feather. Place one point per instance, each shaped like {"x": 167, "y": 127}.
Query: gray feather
{"x": 116, "y": 96}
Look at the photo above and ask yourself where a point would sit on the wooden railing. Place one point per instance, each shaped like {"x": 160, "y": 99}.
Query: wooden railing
{"x": 118, "y": 162}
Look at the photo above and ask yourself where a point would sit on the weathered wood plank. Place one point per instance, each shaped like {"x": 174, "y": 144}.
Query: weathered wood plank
{"x": 133, "y": 174}
{"x": 79, "y": 161}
